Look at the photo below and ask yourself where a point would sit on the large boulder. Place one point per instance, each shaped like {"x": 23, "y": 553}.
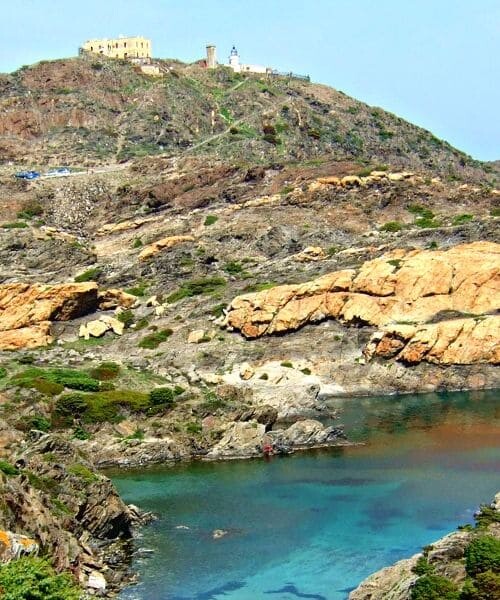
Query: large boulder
{"x": 26, "y": 310}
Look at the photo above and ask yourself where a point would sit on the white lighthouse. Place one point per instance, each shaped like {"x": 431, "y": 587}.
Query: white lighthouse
{"x": 234, "y": 60}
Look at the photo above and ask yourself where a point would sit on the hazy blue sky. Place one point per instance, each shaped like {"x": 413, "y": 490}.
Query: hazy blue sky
{"x": 433, "y": 62}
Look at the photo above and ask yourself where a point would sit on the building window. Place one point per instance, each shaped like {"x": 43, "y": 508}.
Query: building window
{"x": 124, "y": 44}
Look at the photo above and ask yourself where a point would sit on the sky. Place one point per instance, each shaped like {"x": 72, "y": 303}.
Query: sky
{"x": 435, "y": 63}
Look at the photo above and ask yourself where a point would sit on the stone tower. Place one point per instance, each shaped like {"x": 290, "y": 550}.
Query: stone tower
{"x": 211, "y": 56}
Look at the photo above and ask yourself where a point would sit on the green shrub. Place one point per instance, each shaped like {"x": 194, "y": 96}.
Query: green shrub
{"x": 392, "y": 226}
{"x": 83, "y": 472}
{"x": 461, "y": 219}
{"x": 137, "y": 243}
{"x": 3, "y": 372}
{"x": 69, "y": 378}
{"x": 138, "y": 290}
{"x": 495, "y": 211}
{"x": 89, "y": 275}
{"x": 71, "y": 405}
{"x": 233, "y": 268}
{"x": 306, "y": 371}
{"x": 193, "y": 427}
{"x": 153, "y": 340}
{"x": 421, "y": 211}
{"x": 105, "y": 406}
{"x": 196, "y": 287}
{"x": 47, "y": 388}
{"x": 482, "y": 554}
{"x": 126, "y": 317}
{"x": 210, "y": 220}
{"x": 434, "y": 587}
{"x": 40, "y": 423}
{"x": 30, "y": 578}
{"x": 287, "y": 363}
{"x": 486, "y": 516}
{"x": 423, "y": 567}
{"x": 105, "y": 371}
{"x": 486, "y": 586}
{"x": 7, "y": 468}
{"x": 264, "y": 376}
{"x": 162, "y": 396}
{"x": 30, "y": 209}
{"x": 427, "y": 223}
{"x": 81, "y": 434}
{"x": 14, "y": 225}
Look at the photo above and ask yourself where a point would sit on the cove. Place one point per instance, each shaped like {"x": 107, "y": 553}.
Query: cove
{"x": 315, "y": 524}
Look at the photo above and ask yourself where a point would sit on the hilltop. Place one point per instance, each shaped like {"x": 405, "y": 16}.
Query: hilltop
{"x": 89, "y": 111}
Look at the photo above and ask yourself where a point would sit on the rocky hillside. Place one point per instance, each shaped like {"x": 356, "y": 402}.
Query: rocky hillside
{"x": 232, "y": 253}
{"x": 87, "y": 111}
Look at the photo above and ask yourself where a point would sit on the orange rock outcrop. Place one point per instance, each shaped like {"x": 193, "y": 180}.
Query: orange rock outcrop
{"x": 399, "y": 289}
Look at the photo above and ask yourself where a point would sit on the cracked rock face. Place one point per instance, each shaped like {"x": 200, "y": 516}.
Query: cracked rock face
{"x": 410, "y": 295}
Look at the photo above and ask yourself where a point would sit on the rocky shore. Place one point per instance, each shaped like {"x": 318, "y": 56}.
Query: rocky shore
{"x": 445, "y": 567}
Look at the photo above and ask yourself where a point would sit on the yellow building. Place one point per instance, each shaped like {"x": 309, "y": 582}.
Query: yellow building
{"x": 122, "y": 47}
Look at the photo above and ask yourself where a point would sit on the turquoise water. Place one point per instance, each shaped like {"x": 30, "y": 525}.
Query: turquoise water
{"x": 314, "y": 524}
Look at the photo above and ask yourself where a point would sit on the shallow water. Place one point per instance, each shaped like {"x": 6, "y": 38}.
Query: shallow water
{"x": 314, "y": 524}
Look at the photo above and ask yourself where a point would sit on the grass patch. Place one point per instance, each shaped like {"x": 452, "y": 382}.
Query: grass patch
{"x": 461, "y": 219}
{"x": 153, "y": 340}
{"x": 89, "y": 275}
{"x": 287, "y": 364}
{"x": 139, "y": 290}
{"x": 14, "y": 225}
{"x": 197, "y": 287}
{"x": 210, "y": 220}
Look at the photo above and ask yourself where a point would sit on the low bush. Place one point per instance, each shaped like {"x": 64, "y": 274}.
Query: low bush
{"x": 138, "y": 290}
{"x": 105, "y": 371}
{"x": 153, "y": 340}
{"x": 434, "y": 587}
{"x": 3, "y": 372}
{"x": 14, "y": 225}
{"x": 39, "y": 423}
{"x": 486, "y": 586}
{"x": 233, "y": 268}
{"x": 162, "y": 396}
{"x": 210, "y": 220}
{"x": 89, "y": 275}
{"x": 31, "y": 578}
{"x": 423, "y": 567}
{"x": 482, "y": 554}
{"x": 7, "y": 468}
{"x": 41, "y": 379}
{"x": 197, "y": 287}
{"x": 427, "y": 223}
{"x": 101, "y": 406}
{"x": 287, "y": 363}
{"x": 126, "y": 317}
{"x": 83, "y": 472}
{"x": 392, "y": 226}
{"x": 461, "y": 219}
